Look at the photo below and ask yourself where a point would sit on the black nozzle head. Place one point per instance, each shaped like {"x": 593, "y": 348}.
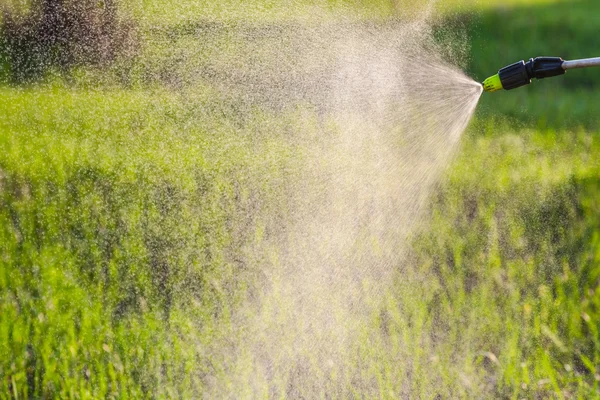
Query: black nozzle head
{"x": 546, "y": 67}
{"x": 520, "y": 73}
{"x": 514, "y": 76}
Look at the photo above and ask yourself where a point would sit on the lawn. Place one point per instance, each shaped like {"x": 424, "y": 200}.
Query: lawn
{"x": 132, "y": 204}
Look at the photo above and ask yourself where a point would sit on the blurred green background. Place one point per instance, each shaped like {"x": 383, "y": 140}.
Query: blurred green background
{"x": 118, "y": 192}
{"x": 564, "y": 29}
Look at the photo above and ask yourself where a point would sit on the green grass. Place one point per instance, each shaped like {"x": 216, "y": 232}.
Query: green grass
{"x": 116, "y": 218}
{"x": 124, "y": 213}
{"x": 512, "y": 251}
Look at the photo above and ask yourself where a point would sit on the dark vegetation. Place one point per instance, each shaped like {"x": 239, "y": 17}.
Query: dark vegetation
{"x": 59, "y": 35}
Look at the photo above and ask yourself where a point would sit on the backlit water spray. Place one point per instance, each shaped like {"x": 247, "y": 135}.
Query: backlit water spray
{"x": 389, "y": 113}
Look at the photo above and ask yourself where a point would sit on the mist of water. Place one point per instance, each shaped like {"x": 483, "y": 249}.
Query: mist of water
{"x": 392, "y": 113}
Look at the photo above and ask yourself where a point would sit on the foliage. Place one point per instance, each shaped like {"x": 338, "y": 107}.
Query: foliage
{"x": 61, "y": 34}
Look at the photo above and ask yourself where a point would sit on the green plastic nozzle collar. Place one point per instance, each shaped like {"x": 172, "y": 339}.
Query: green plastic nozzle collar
{"x": 492, "y": 84}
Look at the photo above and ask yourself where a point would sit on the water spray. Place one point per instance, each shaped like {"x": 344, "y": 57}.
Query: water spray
{"x": 521, "y": 73}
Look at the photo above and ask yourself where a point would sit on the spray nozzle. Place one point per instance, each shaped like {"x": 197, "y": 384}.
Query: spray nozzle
{"x": 520, "y": 73}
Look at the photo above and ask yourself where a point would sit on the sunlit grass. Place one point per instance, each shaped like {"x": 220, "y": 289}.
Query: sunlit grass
{"x": 167, "y": 13}
{"x": 501, "y": 287}
{"x": 101, "y": 189}
{"x": 111, "y": 213}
